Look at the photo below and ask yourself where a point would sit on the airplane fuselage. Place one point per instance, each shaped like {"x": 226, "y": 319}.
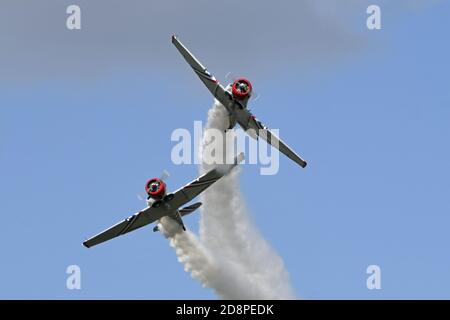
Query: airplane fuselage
{"x": 235, "y": 104}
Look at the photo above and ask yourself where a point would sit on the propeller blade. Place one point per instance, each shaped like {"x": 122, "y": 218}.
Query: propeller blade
{"x": 165, "y": 174}
{"x": 254, "y": 96}
{"x": 141, "y": 196}
{"x": 230, "y": 77}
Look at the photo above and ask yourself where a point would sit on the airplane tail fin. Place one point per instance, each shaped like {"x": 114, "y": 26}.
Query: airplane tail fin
{"x": 184, "y": 211}
{"x": 178, "y": 219}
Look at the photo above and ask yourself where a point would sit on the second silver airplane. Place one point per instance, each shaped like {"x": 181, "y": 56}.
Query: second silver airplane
{"x": 234, "y": 97}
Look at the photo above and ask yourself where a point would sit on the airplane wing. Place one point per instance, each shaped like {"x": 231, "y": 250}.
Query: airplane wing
{"x": 138, "y": 220}
{"x": 248, "y": 121}
{"x": 194, "y": 188}
{"x": 207, "y": 78}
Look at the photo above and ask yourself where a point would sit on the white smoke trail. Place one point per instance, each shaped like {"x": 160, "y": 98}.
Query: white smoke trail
{"x": 223, "y": 276}
{"x": 226, "y": 229}
{"x": 230, "y": 257}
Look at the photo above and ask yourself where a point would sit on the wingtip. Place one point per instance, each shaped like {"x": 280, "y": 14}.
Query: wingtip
{"x": 174, "y": 37}
{"x": 86, "y": 245}
{"x": 304, "y": 164}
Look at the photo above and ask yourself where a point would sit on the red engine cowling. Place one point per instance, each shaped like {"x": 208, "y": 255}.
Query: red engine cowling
{"x": 155, "y": 188}
{"x": 242, "y": 88}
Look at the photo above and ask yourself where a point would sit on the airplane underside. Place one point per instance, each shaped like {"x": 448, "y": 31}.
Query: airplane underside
{"x": 181, "y": 213}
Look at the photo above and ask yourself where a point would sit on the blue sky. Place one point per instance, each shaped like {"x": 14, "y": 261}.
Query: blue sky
{"x": 373, "y": 123}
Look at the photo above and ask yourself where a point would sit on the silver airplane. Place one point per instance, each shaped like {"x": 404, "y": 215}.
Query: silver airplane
{"x": 235, "y": 97}
{"x": 160, "y": 204}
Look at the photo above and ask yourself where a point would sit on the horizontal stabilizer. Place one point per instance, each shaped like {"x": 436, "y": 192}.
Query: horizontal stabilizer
{"x": 186, "y": 210}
